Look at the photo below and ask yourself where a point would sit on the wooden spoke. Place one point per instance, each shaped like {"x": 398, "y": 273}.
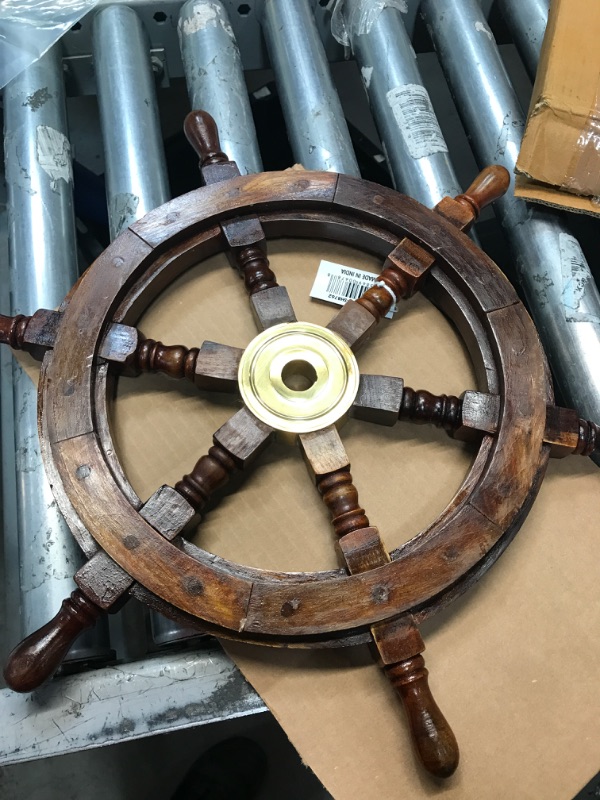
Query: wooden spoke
{"x": 397, "y": 648}
{"x": 272, "y": 306}
{"x": 235, "y": 445}
{"x": 244, "y": 235}
{"x": 384, "y": 400}
{"x": 36, "y": 658}
{"x": 397, "y": 645}
{"x": 12, "y": 330}
{"x": 568, "y": 434}
{"x": 212, "y": 366}
{"x": 353, "y": 323}
{"x": 329, "y": 466}
{"x": 379, "y": 399}
{"x": 35, "y": 334}
{"x": 462, "y": 211}
{"x": 422, "y": 407}
{"x": 407, "y": 266}
{"x": 217, "y": 367}
{"x": 403, "y": 274}
{"x": 107, "y": 584}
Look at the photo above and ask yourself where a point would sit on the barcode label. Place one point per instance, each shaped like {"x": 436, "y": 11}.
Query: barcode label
{"x": 338, "y": 284}
{"x": 416, "y": 119}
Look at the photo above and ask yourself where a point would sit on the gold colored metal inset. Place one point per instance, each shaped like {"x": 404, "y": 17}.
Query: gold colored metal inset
{"x": 298, "y": 377}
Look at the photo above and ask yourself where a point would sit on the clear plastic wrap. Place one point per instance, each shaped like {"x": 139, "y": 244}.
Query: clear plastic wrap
{"x": 28, "y": 28}
{"x": 357, "y": 18}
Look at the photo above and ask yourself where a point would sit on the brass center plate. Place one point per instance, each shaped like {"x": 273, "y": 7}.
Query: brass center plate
{"x": 298, "y": 377}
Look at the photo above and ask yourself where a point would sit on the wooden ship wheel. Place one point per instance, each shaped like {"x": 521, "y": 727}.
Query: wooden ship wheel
{"x": 298, "y": 381}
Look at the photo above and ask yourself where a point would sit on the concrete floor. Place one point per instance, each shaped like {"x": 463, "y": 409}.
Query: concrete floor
{"x": 152, "y": 768}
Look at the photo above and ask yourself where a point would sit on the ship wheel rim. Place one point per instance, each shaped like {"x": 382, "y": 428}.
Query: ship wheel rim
{"x": 247, "y": 602}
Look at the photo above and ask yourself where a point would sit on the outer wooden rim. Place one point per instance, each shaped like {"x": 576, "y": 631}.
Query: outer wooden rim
{"x": 464, "y": 541}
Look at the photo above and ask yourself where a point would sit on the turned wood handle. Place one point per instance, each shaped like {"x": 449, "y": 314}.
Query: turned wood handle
{"x": 491, "y": 183}
{"x": 202, "y": 133}
{"x": 432, "y": 736}
{"x": 12, "y": 330}
{"x": 38, "y": 656}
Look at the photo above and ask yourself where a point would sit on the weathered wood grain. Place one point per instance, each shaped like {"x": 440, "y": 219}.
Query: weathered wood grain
{"x": 379, "y": 399}
{"x": 441, "y": 558}
{"x": 103, "y": 581}
{"x": 354, "y": 323}
{"x": 167, "y": 511}
{"x": 217, "y": 367}
{"x": 272, "y": 306}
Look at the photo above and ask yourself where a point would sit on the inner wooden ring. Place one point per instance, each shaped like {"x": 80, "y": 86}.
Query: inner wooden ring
{"x": 465, "y": 539}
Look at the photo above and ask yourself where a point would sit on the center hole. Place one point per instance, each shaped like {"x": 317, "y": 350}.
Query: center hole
{"x": 298, "y": 375}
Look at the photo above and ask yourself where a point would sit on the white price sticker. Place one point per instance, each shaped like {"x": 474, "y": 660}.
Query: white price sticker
{"x": 337, "y": 284}
{"x": 416, "y": 119}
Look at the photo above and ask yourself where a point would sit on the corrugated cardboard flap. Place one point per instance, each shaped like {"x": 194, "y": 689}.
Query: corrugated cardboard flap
{"x": 561, "y": 145}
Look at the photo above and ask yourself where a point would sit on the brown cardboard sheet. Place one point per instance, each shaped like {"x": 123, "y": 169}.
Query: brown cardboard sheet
{"x": 559, "y": 162}
{"x": 515, "y": 664}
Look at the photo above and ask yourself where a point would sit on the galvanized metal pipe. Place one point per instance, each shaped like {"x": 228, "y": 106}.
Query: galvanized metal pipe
{"x": 555, "y": 276}
{"x": 527, "y": 20}
{"x": 215, "y": 79}
{"x": 43, "y": 267}
{"x": 410, "y": 134}
{"x": 9, "y": 546}
{"x": 134, "y": 154}
{"x": 315, "y": 122}
{"x": 136, "y": 174}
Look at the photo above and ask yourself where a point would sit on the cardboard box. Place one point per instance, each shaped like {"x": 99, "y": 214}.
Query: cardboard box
{"x": 559, "y": 162}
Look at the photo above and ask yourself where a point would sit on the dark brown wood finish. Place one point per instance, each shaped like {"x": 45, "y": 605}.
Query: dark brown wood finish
{"x": 436, "y": 564}
{"x": 381, "y": 595}
{"x": 396, "y": 645}
{"x": 245, "y": 237}
{"x": 397, "y": 648}
{"x": 404, "y": 271}
{"x": 384, "y": 400}
{"x": 210, "y": 473}
{"x": 379, "y": 399}
{"x": 236, "y": 445}
{"x": 341, "y": 498}
{"x": 34, "y": 334}
{"x": 217, "y": 367}
{"x": 329, "y": 465}
{"x": 567, "y": 434}
{"x": 463, "y": 210}
{"x": 12, "y": 330}
{"x": 242, "y": 194}
{"x": 176, "y": 361}
{"x": 37, "y": 657}
{"x": 443, "y": 411}
{"x": 202, "y": 133}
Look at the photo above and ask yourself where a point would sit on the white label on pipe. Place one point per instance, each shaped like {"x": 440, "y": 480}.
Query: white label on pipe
{"x": 54, "y": 154}
{"x": 577, "y": 280}
{"x": 201, "y": 17}
{"x": 337, "y": 284}
{"x": 416, "y": 119}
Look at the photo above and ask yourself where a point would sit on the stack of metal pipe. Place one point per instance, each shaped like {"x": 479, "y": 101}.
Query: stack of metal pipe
{"x": 39, "y": 547}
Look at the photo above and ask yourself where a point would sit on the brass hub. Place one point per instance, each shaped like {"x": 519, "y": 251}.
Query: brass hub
{"x": 298, "y": 377}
